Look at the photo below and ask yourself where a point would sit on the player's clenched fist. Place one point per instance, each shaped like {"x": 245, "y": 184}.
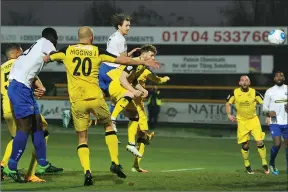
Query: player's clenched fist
{"x": 39, "y": 92}
{"x": 152, "y": 63}
{"x": 46, "y": 58}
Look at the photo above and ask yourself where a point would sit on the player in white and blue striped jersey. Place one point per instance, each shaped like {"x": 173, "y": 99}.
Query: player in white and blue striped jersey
{"x": 275, "y": 106}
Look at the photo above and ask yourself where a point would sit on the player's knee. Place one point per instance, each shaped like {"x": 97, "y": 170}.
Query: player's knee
{"x": 108, "y": 128}
{"x": 83, "y": 145}
{"x": 245, "y": 146}
{"x": 23, "y": 125}
{"x": 110, "y": 132}
{"x": 129, "y": 96}
{"x": 37, "y": 122}
{"x": 82, "y": 136}
{"x": 260, "y": 144}
{"x": 277, "y": 141}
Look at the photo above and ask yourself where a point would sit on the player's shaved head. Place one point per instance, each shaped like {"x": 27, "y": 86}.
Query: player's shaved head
{"x": 85, "y": 34}
{"x": 13, "y": 50}
{"x": 244, "y": 82}
{"x": 244, "y": 77}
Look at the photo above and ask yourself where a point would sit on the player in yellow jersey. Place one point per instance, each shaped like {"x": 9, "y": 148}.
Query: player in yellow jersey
{"x": 146, "y": 75}
{"x": 13, "y": 51}
{"x": 245, "y": 99}
{"x": 82, "y": 62}
{"x": 126, "y": 92}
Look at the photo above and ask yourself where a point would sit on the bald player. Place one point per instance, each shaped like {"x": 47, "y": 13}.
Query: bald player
{"x": 245, "y": 99}
{"x": 82, "y": 62}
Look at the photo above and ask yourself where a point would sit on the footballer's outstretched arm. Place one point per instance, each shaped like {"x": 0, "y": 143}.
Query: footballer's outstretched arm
{"x": 142, "y": 89}
{"x": 55, "y": 56}
{"x": 125, "y": 83}
{"x": 38, "y": 83}
{"x": 229, "y": 101}
{"x": 259, "y": 98}
{"x": 157, "y": 79}
{"x": 108, "y": 57}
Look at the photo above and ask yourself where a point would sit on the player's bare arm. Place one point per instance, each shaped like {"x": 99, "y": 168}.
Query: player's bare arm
{"x": 129, "y": 61}
{"x": 55, "y": 56}
{"x": 124, "y": 60}
{"x": 125, "y": 83}
{"x": 140, "y": 88}
{"x": 230, "y": 99}
{"x": 157, "y": 79}
{"x": 228, "y": 112}
{"x": 39, "y": 90}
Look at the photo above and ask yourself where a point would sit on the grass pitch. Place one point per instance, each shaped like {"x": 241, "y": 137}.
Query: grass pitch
{"x": 174, "y": 163}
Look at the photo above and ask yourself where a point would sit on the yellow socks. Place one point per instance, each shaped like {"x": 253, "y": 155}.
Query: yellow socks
{"x": 120, "y": 106}
{"x": 245, "y": 155}
{"x": 33, "y": 165}
{"x": 141, "y": 149}
{"x": 262, "y": 153}
{"x": 84, "y": 156}
{"x": 7, "y": 153}
{"x": 112, "y": 143}
{"x": 132, "y": 130}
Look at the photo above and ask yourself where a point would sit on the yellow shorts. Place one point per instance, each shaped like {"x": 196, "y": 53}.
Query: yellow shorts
{"x": 11, "y": 122}
{"x": 249, "y": 127}
{"x": 137, "y": 107}
{"x": 81, "y": 113}
{"x": 116, "y": 91}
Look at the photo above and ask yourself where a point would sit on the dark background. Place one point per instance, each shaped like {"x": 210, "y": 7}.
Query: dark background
{"x": 151, "y": 13}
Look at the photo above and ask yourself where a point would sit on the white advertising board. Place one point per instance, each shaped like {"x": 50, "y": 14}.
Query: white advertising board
{"x": 209, "y": 64}
{"x": 154, "y": 35}
{"x": 215, "y": 64}
{"x": 208, "y": 113}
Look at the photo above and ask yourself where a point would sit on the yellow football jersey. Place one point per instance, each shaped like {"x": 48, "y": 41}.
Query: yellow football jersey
{"x": 82, "y": 63}
{"x": 134, "y": 71}
{"x": 115, "y": 74}
{"x": 5, "y": 70}
{"x": 149, "y": 75}
{"x": 245, "y": 102}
